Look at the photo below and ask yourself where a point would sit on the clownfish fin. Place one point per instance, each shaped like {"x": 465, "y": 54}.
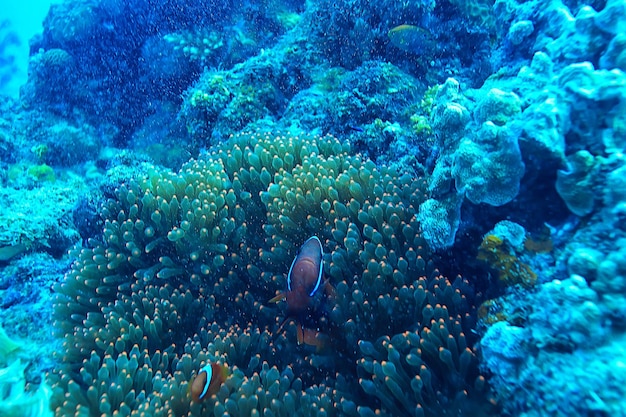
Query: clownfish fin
{"x": 279, "y": 297}
{"x": 312, "y": 337}
{"x": 329, "y": 290}
{"x": 281, "y": 326}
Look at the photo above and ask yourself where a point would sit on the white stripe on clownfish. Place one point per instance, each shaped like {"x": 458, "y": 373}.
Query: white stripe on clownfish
{"x": 209, "y": 374}
{"x": 208, "y": 381}
{"x": 306, "y": 246}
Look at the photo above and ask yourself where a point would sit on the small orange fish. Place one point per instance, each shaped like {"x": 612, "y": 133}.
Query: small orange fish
{"x": 304, "y": 283}
{"x": 208, "y": 381}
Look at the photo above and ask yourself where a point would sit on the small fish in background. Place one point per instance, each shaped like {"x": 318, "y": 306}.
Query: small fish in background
{"x": 208, "y": 381}
{"x": 412, "y": 39}
{"x": 305, "y": 289}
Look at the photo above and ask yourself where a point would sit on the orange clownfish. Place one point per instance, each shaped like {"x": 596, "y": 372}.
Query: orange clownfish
{"x": 208, "y": 381}
{"x": 304, "y": 289}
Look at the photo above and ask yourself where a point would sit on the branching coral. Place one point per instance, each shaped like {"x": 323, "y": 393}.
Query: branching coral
{"x": 188, "y": 262}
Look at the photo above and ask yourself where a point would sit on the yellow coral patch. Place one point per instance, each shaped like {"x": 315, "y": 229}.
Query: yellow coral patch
{"x": 510, "y": 269}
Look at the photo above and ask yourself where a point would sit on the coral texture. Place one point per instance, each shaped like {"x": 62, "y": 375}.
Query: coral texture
{"x": 16, "y": 400}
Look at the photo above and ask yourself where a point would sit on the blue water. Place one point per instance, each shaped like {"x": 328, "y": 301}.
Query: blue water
{"x": 339, "y": 208}
{"x": 20, "y": 22}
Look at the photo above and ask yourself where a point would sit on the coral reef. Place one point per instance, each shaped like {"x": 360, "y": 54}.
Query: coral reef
{"x": 48, "y": 228}
{"x": 561, "y": 328}
{"x": 479, "y": 159}
{"x": 184, "y": 252}
{"x": 439, "y": 221}
{"x": 510, "y": 269}
{"x": 212, "y": 48}
{"x": 484, "y": 138}
{"x": 571, "y": 116}
{"x": 610, "y": 281}
{"x": 161, "y": 50}
{"x": 146, "y": 68}
{"x": 225, "y": 100}
{"x": 197, "y": 45}
{"x": 16, "y": 400}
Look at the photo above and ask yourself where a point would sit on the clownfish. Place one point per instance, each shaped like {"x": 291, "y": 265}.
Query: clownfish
{"x": 304, "y": 289}
{"x": 208, "y": 381}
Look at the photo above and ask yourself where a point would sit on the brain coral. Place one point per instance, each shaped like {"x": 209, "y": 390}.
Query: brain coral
{"x": 188, "y": 261}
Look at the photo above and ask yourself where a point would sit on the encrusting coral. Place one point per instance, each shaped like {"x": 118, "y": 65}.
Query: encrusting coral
{"x": 505, "y": 262}
{"x": 187, "y": 265}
